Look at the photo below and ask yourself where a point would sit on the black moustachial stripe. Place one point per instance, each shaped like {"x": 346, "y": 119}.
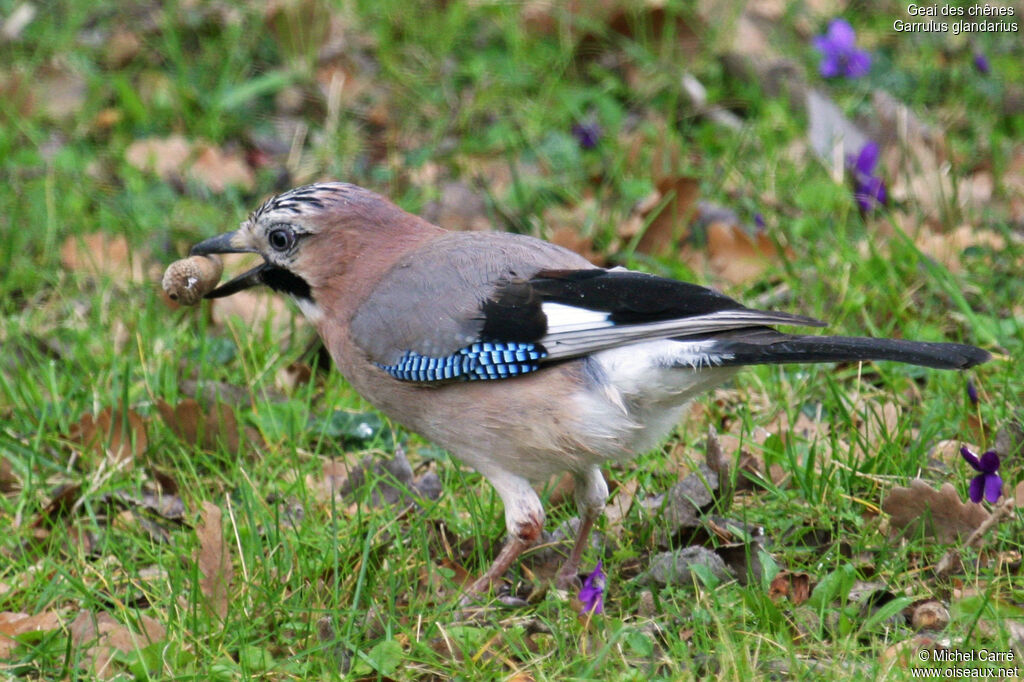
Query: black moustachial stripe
{"x": 285, "y": 281}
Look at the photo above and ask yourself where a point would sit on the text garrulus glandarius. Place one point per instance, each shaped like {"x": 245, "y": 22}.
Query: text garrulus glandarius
{"x": 519, "y": 357}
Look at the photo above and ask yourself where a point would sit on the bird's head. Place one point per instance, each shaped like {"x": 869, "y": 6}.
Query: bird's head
{"x": 312, "y": 236}
{"x": 282, "y": 231}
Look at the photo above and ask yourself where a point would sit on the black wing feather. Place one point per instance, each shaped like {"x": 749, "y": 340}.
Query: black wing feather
{"x": 514, "y": 312}
{"x": 630, "y": 297}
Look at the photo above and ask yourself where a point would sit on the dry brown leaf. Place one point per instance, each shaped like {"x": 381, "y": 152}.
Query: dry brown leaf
{"x": 916, "y": 157}
{"x": 218, "y": 170}
{"x": 117, "y": 436}
{"x": 672, "y": 223}
{"x": 104, "y": 255}
{"x": 63, "y": 499}
{"x": 947, "y": 452}
{"x": 13, "y": 624}
{"x": 948, "y": 248}
{"x": 207, "y": 429}
{"x": 1013, "y": 627}
{"x": 561, "y": 489}
{"x": 905, "y": 653}
{"x": 881, "y": 423}
{"x": 291, "y": 377}
{"x": 254, "y": 309}
{"x": 214, "y": 560}
{"x": 793, "y": 586}
{"x": 569, "y": 238}
{"x": 937, "y": 513}
{"x": 8, "y": 480}
{"x": 174, "y": 157}
{"x": 335, "y": 473}
{"x": 736, "y": 256}
{"x": 17, "y": 93}
{"x": 102, "y": 636}
{"x": 805, "y": 427}
{"x": 165, "y": 156}
{"x": 617, "y": 509}
{"x": 121, "y": 47}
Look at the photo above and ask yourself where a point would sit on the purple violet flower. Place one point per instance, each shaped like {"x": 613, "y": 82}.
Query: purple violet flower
{"x": 972, "y": 392}
{"x": 981, "y": 63}
{"x": 592, "y": 592}
{"x": 987, "y": 483}
{"x": 839, "y": 53}
{"x": 759, "y": 222}
{"x": 869, "y": 189}
{"x": 588, "y": 134}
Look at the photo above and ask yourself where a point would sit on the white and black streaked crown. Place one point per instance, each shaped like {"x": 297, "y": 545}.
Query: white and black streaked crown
{"x": 304, "y": 200}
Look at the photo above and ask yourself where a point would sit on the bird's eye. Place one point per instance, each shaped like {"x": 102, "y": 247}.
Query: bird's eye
{"x": 281, "y": 239}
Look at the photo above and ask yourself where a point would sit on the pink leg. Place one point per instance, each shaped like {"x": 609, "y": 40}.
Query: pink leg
{"x": 568, "y": 574}
{"x": 524, "y": 518}
{"x": 591, "y": 493}
{"x": 506, "y": 557}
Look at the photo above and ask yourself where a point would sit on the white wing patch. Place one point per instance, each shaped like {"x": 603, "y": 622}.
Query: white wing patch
{"x": 568, "y": 318}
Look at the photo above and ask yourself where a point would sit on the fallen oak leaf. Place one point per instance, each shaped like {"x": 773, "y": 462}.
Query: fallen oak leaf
{"x": 255, "y": 309}
{"x": 677, "y": 199}
{"x": 739, "y": 257}
{"x": 118, "y": 436}
{"x": 100, "y": 637}
{"x": 617, "y": 509}
{"x": 937, "y": 513}
{"x": 13, "y": 624}
{"x": 9, "y": 481}
{"x": 166, "y": 156}
{"x": 789, "y": 585}
{"x": 207, "y": 429}
{"x": 217, "y": 170}
{"x": 174, "y": 157}
{"x": 104, "y": 255}
{"x": 213, "y": 560}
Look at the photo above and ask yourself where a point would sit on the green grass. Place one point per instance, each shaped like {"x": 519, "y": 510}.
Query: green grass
{"x": 322, "y": 586}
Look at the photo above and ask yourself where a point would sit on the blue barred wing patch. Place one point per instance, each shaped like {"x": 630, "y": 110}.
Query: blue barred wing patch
{"x": 482, "y": 360}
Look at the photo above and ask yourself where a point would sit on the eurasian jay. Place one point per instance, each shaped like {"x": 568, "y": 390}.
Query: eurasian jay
{"x": 519, "y": 357}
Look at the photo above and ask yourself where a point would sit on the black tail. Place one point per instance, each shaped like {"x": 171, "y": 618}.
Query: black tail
{"x": 768, "y": 347}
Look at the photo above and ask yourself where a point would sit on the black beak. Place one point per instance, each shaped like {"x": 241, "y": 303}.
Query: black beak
{"x": 230, "y": 242}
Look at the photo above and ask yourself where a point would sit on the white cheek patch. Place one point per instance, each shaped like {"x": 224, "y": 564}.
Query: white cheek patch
{"x": 565, "y": 318}
{"x": 310, "y": 309}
